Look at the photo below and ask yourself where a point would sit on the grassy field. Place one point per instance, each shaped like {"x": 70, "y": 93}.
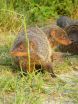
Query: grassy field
{"x": 39, "y": 88}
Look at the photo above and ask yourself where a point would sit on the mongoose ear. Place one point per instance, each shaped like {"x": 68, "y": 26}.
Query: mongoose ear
{"x": 60, "y": 36}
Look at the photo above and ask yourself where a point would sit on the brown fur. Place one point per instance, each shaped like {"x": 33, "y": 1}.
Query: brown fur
{"x": 56, "y": 35}
{"x": 40, "y": 50}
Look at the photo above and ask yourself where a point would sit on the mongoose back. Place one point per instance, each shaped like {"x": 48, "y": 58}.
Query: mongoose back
{"x": 63, "y": 21}
{"x": 39, "y": 46}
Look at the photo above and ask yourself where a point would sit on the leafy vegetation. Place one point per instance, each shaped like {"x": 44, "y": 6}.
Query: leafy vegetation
{"x": 36, "y": 11}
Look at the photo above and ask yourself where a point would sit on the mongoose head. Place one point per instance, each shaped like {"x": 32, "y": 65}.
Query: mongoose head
{"x": 60, "y": 36}
{"x": 56, "y": 35}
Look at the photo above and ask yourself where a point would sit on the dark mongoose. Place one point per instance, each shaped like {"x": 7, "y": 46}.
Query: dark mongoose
{"x": 64, "y": 21}
{"x": 72, "y": 32}
{"x": 70, "y": 26}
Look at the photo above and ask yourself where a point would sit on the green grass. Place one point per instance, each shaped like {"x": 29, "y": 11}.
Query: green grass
{"x": 36, "y": 11}
{"x": 35, "y": 89}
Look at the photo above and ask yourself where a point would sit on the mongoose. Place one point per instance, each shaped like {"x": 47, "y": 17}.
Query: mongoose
{"x": 70, "y": 26}
{"x": 72, "y": 32}
{"x": 39, "y": 46}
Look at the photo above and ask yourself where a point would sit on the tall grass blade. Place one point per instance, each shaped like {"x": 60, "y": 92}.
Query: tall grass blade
{"x": 27, "y": 43}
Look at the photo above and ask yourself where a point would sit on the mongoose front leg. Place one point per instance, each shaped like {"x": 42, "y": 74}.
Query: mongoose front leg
{"x": 49, "y": 68}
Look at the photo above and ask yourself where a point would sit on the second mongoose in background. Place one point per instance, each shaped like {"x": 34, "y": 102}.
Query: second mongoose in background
{"x": 64, "y": 21}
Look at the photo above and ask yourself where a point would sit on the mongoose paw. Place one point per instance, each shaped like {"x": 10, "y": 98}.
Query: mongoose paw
{"x": 53, "y": 75}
